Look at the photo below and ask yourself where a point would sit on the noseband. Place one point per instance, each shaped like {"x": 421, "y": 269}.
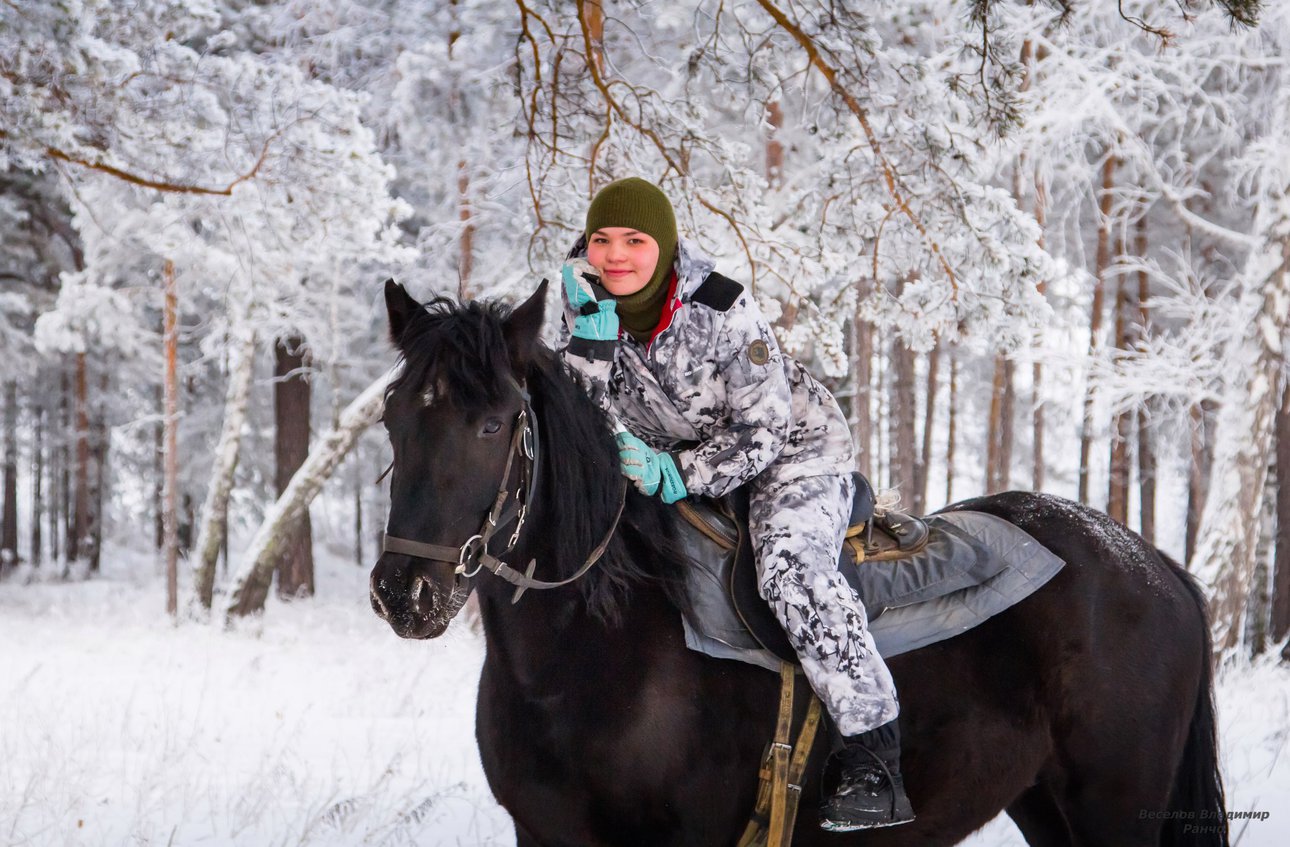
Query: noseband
{"x": 473, "y": 555}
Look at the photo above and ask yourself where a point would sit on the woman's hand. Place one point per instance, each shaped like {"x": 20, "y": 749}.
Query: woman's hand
{"x": 594, "y": 320}
{"x": 649, "y": 470}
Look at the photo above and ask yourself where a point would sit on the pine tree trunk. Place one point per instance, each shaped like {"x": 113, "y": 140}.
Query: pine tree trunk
{"x": 253, "y": 578}
{"x": 1228, "y": 537}
{"x": 999, "y": 433}
{"x": 902, "y": 422}
{"x": 882, "y": 414}
{"x": 862, "y": 387}
{"x": 595, "y": 16}
{"x": 1280, "y": 623}
{"x": 952, "y": 433}
{"x": 37, "y": 482}
{"x": 358, "y": 506}
{"x": 1146, "y": 443}
{"x": 98, "y": 484}
{"x": 9, "y": 538}
{"x": 1117, "y": 495}
{"x": 214, "y": 515}
{"x": 171, "y": 386}
{"x": 929, "y": 420}
{"x": 1202, "y": 462}
{"x": 1257, "y": 619}
{"x": 1037, "y": 370}
{"x": 61, "y": 533}
{"x": 1007, "y": 425}
{"x": 774, "y": 147}
{"x": 77, "y": 539}
{"x": 466, "y": 247}
{"x": 159, "y": 471}
{"x": 1095, "y": 318}
{"x": 291, "y": 402}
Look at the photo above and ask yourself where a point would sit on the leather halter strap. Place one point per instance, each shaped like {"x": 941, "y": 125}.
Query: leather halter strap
{"x": 474, "y": 551}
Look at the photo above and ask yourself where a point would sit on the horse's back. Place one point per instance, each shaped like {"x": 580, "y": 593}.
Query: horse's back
{"x": 1096, "y": 672}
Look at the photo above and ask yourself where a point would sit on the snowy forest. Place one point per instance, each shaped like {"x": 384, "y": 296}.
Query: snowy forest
{"x": 1028, "y": 245}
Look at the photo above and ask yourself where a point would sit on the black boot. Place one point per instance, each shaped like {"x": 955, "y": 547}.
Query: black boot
{"x": 871, "y": 792}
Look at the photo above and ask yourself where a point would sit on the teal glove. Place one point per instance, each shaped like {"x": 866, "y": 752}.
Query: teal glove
{"x": 598, "y": 325}
{"x": 650, "y": 471}
{"x": 577, "y": 294}
{"x": 595, "y": 320}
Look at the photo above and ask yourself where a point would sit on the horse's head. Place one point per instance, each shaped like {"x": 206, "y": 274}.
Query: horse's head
{"x": 451, "y": 416}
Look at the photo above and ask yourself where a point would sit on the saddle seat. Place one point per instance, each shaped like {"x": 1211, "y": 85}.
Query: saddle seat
{"x": 872, "y": 536}
{"x": 921, "y": 580}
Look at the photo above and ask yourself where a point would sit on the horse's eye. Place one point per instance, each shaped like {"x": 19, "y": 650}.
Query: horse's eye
{"x": 492, "y": 426}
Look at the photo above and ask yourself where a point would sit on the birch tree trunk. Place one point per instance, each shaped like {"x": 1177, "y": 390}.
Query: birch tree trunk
{"x": 1228, "y": 535}
{"x": 171, "y": 384}
{"x": 255, "y": 575}
{"x": 214, "y": 517}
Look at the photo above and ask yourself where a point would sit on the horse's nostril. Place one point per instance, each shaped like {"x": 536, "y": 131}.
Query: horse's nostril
{"x": 421, "y": 598}
{"x": 378, "y": 604}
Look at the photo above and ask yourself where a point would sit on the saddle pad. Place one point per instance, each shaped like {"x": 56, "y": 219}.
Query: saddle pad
{"x": 974, "y": 566}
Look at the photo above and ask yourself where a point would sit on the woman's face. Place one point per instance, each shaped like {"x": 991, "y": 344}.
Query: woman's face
{"x": 625, "y": 258}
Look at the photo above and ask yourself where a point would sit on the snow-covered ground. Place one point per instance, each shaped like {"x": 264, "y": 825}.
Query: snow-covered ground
{"x": 316, "y": 726}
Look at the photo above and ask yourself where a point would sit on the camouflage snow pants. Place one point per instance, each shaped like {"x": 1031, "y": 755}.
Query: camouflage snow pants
{"x": 799, "y": 526}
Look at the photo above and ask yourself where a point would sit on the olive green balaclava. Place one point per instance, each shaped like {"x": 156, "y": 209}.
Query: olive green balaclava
{"x": 642, "y": 206}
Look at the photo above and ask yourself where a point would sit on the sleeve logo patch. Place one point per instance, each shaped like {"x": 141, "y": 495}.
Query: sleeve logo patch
{"x": 758, "y": 352}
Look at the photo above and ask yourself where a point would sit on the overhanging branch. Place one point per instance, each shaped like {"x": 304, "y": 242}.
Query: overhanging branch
{"x": 888, "y": 172}
{"x": 166, "y": 185}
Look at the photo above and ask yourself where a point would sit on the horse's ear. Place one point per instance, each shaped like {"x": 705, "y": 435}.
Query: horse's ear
{"x": 524, "y": 329}
{"x": 401, "y": 307}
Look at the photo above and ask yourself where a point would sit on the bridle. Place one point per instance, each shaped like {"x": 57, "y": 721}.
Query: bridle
{"x": 473, "y": 555}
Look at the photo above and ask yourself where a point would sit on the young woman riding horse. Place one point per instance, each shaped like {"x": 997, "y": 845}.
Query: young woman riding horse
{"x": 1085, "y": 711}
{"x": 675, "y": 353}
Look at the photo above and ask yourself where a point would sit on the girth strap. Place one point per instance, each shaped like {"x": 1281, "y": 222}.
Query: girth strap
{"x": 780, "y": 788}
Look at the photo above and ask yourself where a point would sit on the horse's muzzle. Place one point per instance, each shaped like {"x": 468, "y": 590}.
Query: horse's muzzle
{"x": 412, "y": 598}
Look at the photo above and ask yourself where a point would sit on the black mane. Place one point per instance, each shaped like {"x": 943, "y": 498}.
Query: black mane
{"x": 461, "y": 349}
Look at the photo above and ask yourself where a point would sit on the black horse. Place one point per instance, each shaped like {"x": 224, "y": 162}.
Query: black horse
{"x": 1085, "y": 711}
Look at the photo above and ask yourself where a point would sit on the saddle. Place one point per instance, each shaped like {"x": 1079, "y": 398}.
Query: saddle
{"x": 920, "y": 579}
{"x": 872, "y": 535}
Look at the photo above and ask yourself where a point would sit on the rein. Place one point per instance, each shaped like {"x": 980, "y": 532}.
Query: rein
{"x": 473, "y": 555}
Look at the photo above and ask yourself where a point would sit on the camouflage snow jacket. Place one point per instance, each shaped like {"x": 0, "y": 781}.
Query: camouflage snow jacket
{"x": 713, "y": 387}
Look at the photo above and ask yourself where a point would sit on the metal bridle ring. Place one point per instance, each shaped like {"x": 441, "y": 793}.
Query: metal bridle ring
{"x": 469, "y": 552}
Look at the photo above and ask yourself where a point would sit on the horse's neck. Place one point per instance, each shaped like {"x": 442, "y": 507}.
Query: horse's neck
{"x": 549, "y": 643}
